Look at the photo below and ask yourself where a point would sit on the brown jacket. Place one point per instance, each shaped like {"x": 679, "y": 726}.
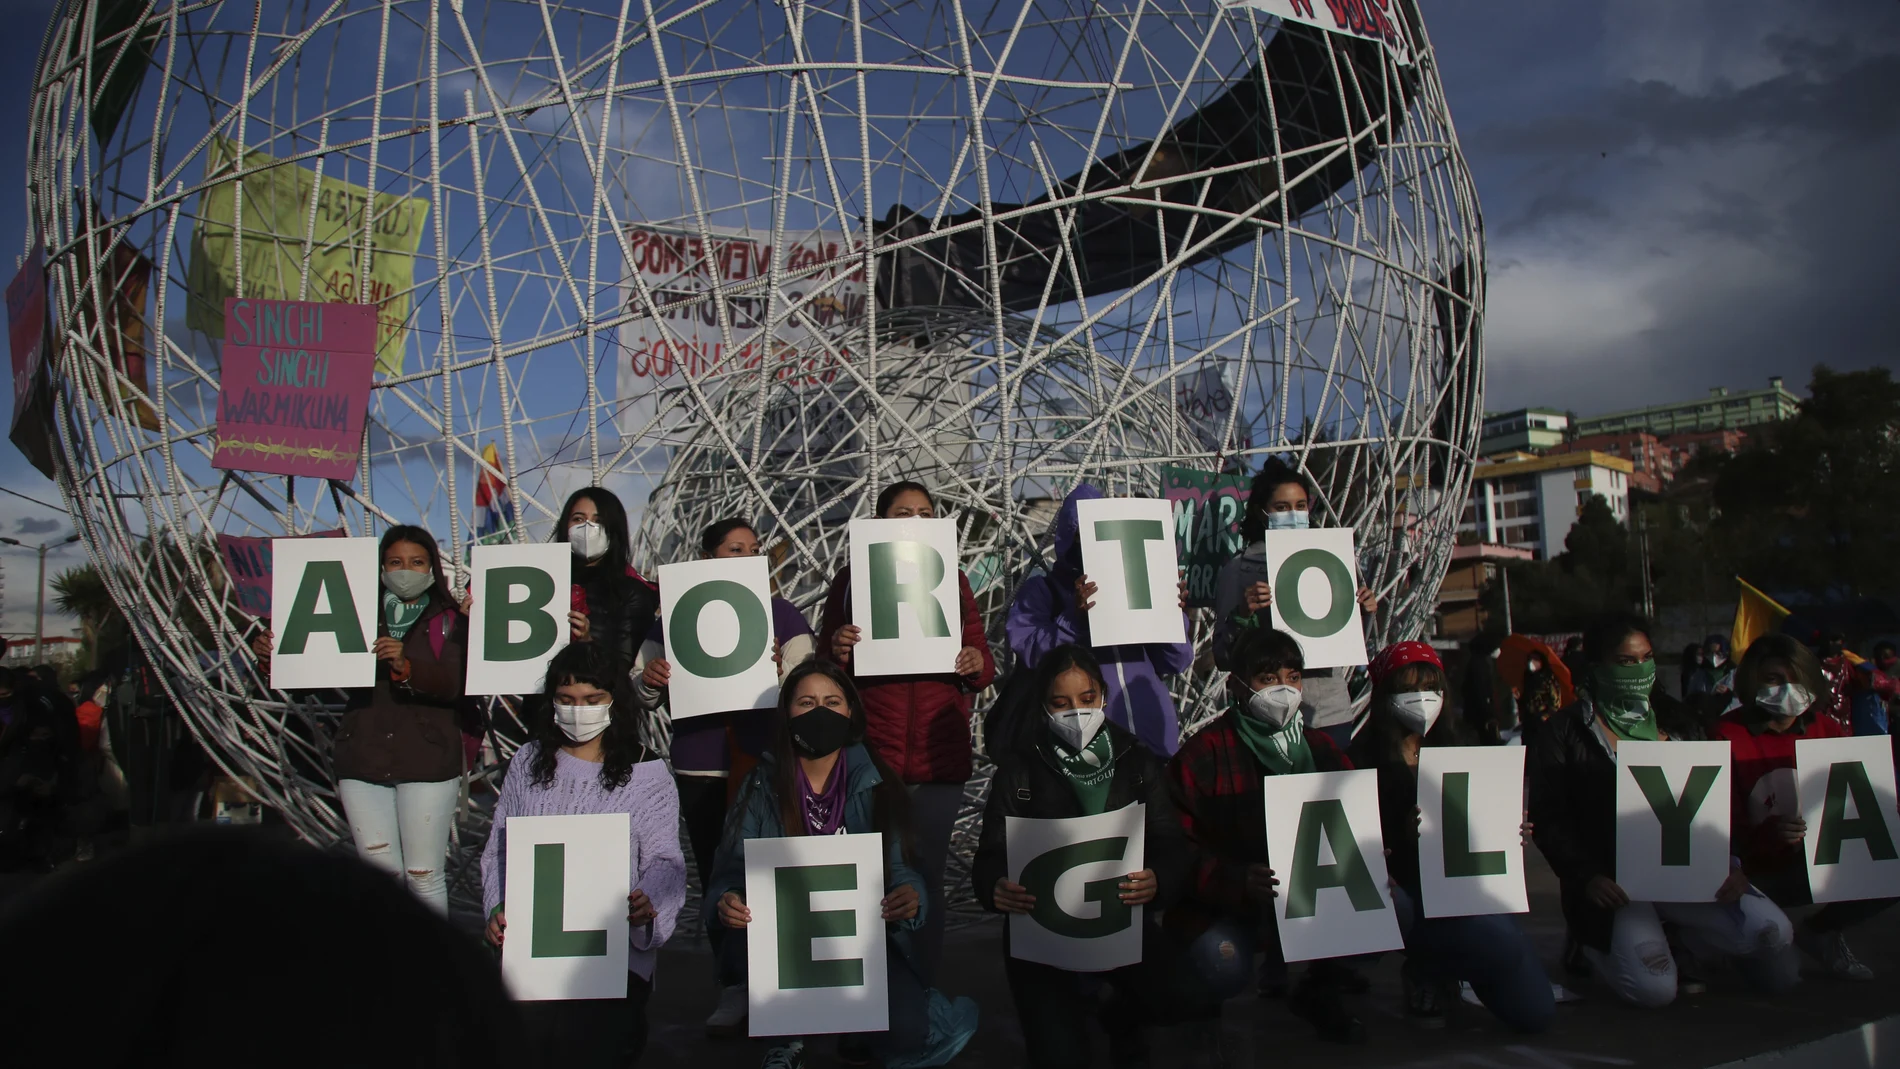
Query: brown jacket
{"x": 405, "y": 731}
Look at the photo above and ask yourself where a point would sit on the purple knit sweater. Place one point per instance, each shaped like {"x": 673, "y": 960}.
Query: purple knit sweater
{"x": 648, "y": 797}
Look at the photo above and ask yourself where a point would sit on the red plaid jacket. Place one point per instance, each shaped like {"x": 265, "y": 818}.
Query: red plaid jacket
{"x": 1215, "y": 784}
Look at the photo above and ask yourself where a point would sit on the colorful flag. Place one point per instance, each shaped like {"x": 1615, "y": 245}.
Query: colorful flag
{"x": 1756, "y": 614}
{"x": 495, "y": 509}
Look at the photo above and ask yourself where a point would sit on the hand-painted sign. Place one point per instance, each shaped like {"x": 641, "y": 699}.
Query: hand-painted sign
{"x": 1848, "y": 802}
{"x": 294, "y": 390}
{"x": 1128, "y": 553}
{"x": 1207, "y": 512}
{"x": 1315, "y": 594}
{"x": 718, "y": 631}
{"x": 1672, "y": 820}
{"x": 565, "y": 897}
{"x": 518, "y": 620}
{"x": 905, "y": 597}
{"x": 1470, "y": 843}
{"x": 816, "y": 944}
{"x": 1075, "y": 867}
{"x": 247, "y": 564}
{"x": 1324, "y": 843}
{"x": 324, "y": 595}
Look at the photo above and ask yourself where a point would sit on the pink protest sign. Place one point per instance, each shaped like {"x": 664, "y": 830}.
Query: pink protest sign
{"x": 247, "y": 562}
{"x": 295, "y": 386}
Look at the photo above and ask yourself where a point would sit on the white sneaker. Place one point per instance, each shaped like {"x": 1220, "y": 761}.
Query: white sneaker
{"x": 1832, "y": 951}
{"x": 728, "y": 1018}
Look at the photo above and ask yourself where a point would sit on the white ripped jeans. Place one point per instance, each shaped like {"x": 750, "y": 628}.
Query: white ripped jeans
{"x": 404, "y": 829}
{"x": 1752, "y": 932}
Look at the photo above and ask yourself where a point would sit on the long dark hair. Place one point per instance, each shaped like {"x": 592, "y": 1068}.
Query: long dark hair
{"x": 890, "y": 801}
{"x": 1383, "y": 734}
{"x": 438, "y": 594}
{"x": 589, "y": 664}
{"x": 1274, "y": 474}
{"x": 612, "y": 519}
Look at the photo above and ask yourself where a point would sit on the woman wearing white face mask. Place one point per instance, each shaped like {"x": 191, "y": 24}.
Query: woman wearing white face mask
{"x": 1491, "y": 953}
{"x": 585, "y": 759}
{"x": 1279, "y": 499}
{"x": 398, "y": 755}
{"x": 1071, "y": 761}
{"x": 1781, "y": 680}
{"x": 612, "y": 604}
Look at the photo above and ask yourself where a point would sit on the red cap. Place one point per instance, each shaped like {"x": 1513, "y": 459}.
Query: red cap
{"x": 1400, "y": 654}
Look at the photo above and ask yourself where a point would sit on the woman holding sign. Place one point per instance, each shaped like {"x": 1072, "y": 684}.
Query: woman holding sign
{"x": 919, "y": 725}
{"x": 398, "y": 756}
{"x": 1052, "y": 610}
{"x": 1782, "y": 681}
{"x": 1491, "y": 953}
{"x": 1280, "y": 499}
{"x": 1072, "y": 761}
{"x": 611, "y": 603}
{"x": 1215, "y": 784}
{"x": 819, "y": 778}
{"x": 1571, "y": 773}
{"x": 586, "y": 757}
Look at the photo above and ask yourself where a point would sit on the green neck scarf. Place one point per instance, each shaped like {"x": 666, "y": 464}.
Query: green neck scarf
{"x": 398, "y": 616}
{"x": 1620, "y": 695}
{"x": 1088, "y": 772}
{"x": 1284, "y": 751}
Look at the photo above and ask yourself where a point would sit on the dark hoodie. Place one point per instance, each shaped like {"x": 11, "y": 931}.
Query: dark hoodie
{"x": 1045, "y": 616}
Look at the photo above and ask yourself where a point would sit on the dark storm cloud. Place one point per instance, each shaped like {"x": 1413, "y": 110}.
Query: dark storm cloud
{"x": 30, "y": 526}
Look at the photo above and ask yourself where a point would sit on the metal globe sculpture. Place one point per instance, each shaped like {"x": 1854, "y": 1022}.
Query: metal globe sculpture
{"x": 729, "y": 257}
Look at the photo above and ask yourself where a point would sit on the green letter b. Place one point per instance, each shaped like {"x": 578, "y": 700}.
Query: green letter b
{"x": 501, "y": 609}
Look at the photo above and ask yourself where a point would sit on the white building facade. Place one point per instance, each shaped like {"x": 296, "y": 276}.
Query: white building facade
{"x": 1532, "y": 502}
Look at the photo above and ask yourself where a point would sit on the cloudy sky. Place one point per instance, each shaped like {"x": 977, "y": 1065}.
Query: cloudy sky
{"x": 1677, "y": 196}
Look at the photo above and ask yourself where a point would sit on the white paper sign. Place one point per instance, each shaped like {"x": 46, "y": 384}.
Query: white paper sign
{"x": 1316, "y": 594}
{"x": 1128, "y": 553}
{"x": 1074, "y": 866}
{"x": 1324, "y": 844}
{"x": 717, "y": 619}
{"x": 816, "y": 946}
{"x": 1372, "y": 20}
{"x": 324, "y": 594}
{"x": 1470, "y": 846}
{"x": 565, "y": 897}
{"x": 904, "y": 597}
{"x": 1847, "y": 799}
{"x": 1672, "y": 820}
{"x": 518, "y": 620}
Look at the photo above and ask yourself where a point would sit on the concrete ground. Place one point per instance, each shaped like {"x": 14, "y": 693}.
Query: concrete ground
{"x": 1726, "y": 1024}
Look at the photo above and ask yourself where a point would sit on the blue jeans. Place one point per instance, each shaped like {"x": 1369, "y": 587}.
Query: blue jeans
{"x": 1490, "y": 953}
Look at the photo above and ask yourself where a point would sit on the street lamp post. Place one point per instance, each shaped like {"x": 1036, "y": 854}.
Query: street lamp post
{"x": 39, "y": 609}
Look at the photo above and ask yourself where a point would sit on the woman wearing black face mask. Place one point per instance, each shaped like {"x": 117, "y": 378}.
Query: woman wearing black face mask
{"x": 819, "y": 778}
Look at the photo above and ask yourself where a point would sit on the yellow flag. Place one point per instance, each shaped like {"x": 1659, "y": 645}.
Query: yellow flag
{"x": 277, "y": 215}
{"x": 1756, "y": 614}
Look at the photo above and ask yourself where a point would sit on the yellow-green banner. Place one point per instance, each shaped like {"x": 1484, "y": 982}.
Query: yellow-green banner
{"x": 277, "y": 230}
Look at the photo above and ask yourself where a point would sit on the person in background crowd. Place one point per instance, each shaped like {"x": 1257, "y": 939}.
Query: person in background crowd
{"x": 703, "y": 747}
{"x": 919, "y": 725}
{"x": 1215, "y": 783}
{"x": 234, "y": 939}
{"x": 1712, "y": 682}
{"x": 40, "y": 768}
{"x": 1837, "y": 668}
{"x": 101, "y": 789}
{"x": 612, "y": 604}
{"x": 1875, "y": 687}
{"x": 1692, "y": 655}
{"x": 819, "y": 778}
{"x": 1051, "y": 610}
{"x": 1478, "y": 692}
{"x": 398, "y": 754}
{"x": 1780, "y": 681}
{"x": 1073, "y": 761}
{"x": 1571, "y": 774}
{"x": 586, "y": 758}
{"x": 1280, "y": 499}
{"x": 1491, "y": 953}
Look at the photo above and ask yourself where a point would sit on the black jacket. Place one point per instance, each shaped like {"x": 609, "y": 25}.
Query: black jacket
{"x": 1026, "y": 784}
{"x": 1572, "y": 781}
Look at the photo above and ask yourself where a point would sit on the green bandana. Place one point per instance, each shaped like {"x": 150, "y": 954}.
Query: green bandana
{"x": 1284, "y": 751}
{"x": 399, "y": 617}
{"x": 1088, "y": 772}
{"x": 1620, "y": 694}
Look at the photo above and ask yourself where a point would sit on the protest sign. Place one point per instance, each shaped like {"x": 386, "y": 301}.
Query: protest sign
{"x": 324, "y": 596}
{"x": 717, "y": 621}
{"x": 247, "y": 564}
{"x": 1324, "y": 843}
{"x": 1370, "y": 20}
{"x": 517, "y": 621}
{"x": 32, "y": 428}
{"x": 1315, "y": 594}
{"x": 291, "y": 214}
{"x": 816, "y": 945}
{"x": 1074, "y": 867}
{"x": 1847, "y": 799}
{"x": 294, "y": 388}
{"x": 1128, "y": 553}
{"x": 905, "y": 598}
{"x": 1672, "y": 820}
{"x": 1207, "y": 511}
{"x": 1470, "y": 844}
{"x": 565, "y": 898}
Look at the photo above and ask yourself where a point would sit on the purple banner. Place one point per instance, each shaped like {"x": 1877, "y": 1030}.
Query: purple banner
{"x": 247, "y": 561}
{"x": 294, "y": 389}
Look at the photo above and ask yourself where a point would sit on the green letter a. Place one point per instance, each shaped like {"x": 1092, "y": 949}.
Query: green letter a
{"x": 1867, "y": 825}
{"x": 1327, "y": 817}
{"x": 326, "y": 577}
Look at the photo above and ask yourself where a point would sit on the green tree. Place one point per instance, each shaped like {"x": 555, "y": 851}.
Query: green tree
{"x": 1594, "y": 574}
